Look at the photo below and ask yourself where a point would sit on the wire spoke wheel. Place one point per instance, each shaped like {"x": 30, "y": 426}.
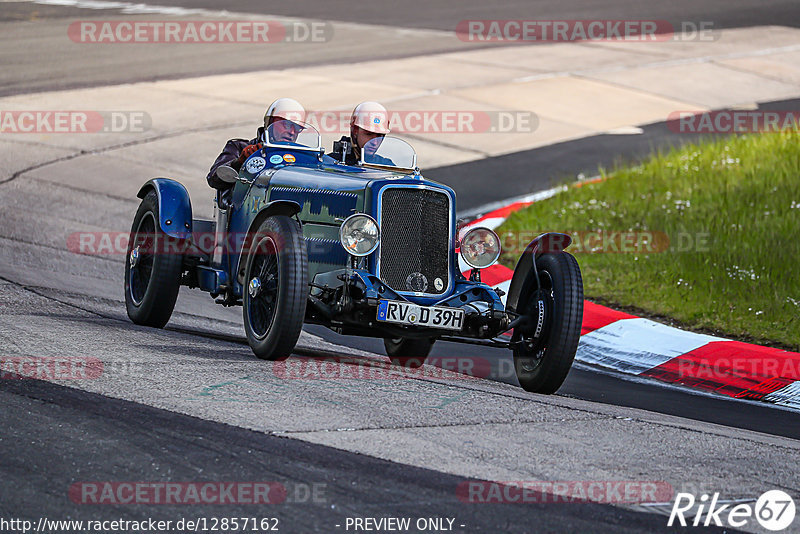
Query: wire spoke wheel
{"x": 276, "y": 288}
{"x": 263, "y": 288}
{"x": 153, "y": 268}
{"x": 141, "y": 257}
{"x": 543, "y": 359}
{"x": 532, "y": 348}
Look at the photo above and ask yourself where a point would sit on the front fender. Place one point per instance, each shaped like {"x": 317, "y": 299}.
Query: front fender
{"x": 277, "y": 207}
{"x": 525, "y": 276}
{"x": 174, "y": 206}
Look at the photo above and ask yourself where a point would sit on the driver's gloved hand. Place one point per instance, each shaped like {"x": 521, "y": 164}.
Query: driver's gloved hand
{"x": 248, "y": 151}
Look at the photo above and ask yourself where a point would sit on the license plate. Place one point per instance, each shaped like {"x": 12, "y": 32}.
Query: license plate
{"x": 393, "y": 311}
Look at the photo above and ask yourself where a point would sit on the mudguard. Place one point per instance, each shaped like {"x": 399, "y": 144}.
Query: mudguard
{"x": 525, "y": 274}
{"x": 276, "y": 207}
{"x": 174, "y": 206}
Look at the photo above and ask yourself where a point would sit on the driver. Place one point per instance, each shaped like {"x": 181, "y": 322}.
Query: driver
{"x": 236, "y": 151}
{"x": 368, "y": 121}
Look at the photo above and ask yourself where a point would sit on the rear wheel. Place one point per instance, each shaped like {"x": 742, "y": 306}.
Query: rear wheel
{"x": 153, "y": 268}
{"x": 276, "y": 288}
{"x": 542, "y": 363}
{"x": 408, "y": 352}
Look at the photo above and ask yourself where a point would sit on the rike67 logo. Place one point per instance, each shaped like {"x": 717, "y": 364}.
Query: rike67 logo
{"x": 774, "y": 510}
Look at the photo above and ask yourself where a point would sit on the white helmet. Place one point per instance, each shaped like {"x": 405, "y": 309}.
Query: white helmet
{"x": 371, "y": 117}
{"x": 285, "y": 108}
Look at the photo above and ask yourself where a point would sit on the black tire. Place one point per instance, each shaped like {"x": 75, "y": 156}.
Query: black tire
{"x": 406, "y": 352}
{"x": 153, "y": 277}
{"x": 274, "y": 311}
{"x": 542, "y": 367}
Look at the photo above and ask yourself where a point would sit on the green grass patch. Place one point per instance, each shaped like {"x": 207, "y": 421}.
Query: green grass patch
{"x": 730, "y": 210}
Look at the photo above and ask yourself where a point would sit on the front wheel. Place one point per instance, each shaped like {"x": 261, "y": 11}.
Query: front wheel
{"x": 276, "y": 288}
{"x": 153, "y": 268}
{"x": 542, "y": 362}
{"x": 406, "y": 352}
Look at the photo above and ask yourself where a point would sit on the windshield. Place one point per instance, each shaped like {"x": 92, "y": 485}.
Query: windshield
{"x": 294, "y": 134}
{"x": 389, "y": 152}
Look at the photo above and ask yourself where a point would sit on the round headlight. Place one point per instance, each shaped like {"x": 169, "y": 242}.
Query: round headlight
{"x": 359, "y": 234}
{"x": 480, "y": 248}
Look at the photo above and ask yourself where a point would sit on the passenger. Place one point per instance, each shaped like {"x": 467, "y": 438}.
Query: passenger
{"x": 236, "y": 151}
{"x": 368, "y": 121}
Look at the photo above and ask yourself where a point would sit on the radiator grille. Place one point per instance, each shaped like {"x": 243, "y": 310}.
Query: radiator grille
{"x": 415, "y": 240}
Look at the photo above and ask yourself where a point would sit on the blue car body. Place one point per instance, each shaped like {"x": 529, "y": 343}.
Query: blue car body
{"x": 277, "y": 248}
{"x": 321, "y": 193}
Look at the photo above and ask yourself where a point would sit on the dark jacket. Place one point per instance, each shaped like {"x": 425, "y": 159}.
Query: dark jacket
{"x": 233, "y": 148}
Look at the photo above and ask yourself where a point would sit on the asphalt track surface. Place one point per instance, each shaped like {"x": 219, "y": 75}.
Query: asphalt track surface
{"x": 39, "y": 57}
{"x": 110, "y": 439}
{"x": 442, "y": 15}
{"x": 36, "y": 57}
{"x": 162, "y": 429}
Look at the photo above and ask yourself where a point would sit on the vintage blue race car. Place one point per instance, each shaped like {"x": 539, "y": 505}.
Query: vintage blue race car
{"x": 368, "y": 250}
